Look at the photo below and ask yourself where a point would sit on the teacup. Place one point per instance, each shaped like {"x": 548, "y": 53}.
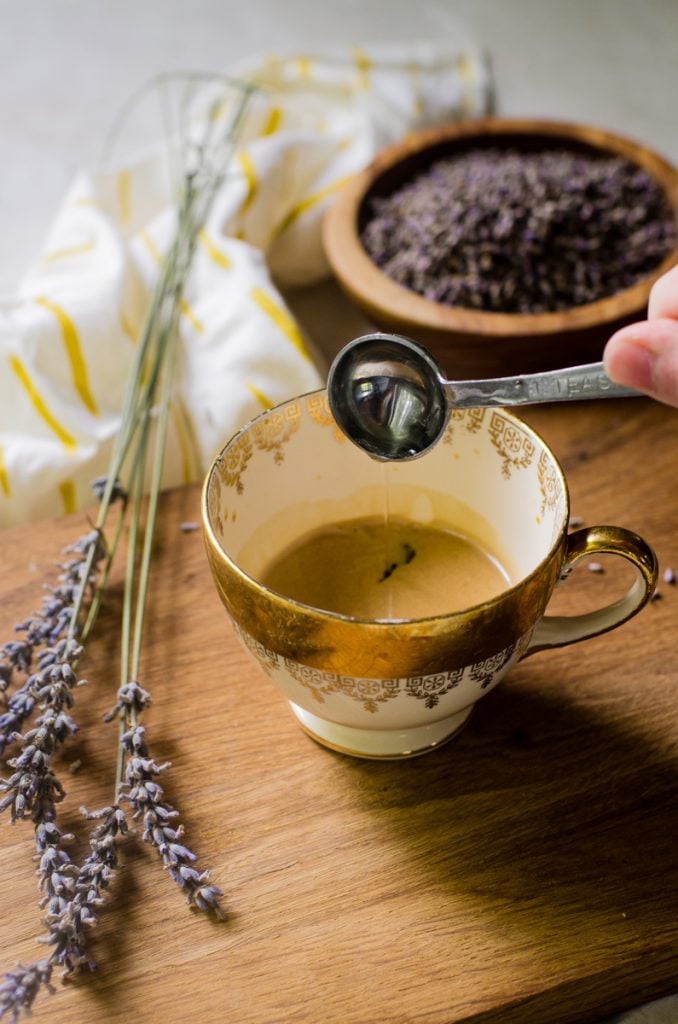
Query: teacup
{"x": 390, "y": 689}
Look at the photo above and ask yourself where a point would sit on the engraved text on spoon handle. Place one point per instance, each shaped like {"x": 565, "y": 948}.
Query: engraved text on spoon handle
{"x": 567, "y": 385}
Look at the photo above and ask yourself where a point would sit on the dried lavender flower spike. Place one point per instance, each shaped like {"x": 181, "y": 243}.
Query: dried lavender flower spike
{"x": 147, "y": 799}
{"x": 21, "y": 986}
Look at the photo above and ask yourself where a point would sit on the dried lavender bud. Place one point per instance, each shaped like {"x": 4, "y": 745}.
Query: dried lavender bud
{"x": 71, "y": 895}
{"x": 55, "y": 617}
{"x": 33, "y": 789}
{"x": 595, "y": 567}
{"x": 669, "y": 577}
{"x": 15, "y": 654}
{"x": 147, "y": 799}
{"x": 131, "y": 697}
{"x": 505, "y": 231}
{"x": 71, "y": 911}
{"x": 21, "y": 986}
{"x": 576, "y": 522}
{"x": 55, "y": 676}
{"x": 118, "y": 492}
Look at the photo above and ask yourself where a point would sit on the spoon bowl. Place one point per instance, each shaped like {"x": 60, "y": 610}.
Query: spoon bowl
{"x": 390, "y": 397}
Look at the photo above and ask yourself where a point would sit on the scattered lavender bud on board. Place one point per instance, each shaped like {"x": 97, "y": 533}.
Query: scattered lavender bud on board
{"x": 576, "y": 522}
{"x": 595, "y": 567}
{"x": 188, "y": 527}
{"x": 669, "y": 577}
{"x": 511, "y": 232}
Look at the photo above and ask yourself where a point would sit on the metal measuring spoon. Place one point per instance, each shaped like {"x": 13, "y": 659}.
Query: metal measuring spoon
{"x": 390, "y": 397}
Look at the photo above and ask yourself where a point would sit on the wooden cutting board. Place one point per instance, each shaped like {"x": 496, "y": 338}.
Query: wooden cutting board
{"x": 526, "y": 873}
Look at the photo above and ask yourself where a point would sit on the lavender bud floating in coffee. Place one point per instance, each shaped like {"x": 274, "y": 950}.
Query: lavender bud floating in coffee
{"x": 511, "y": 232}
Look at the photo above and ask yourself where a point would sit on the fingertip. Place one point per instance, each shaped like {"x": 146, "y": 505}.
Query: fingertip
{"x": 627, "y": 360}
{"x": 644, "y": 356}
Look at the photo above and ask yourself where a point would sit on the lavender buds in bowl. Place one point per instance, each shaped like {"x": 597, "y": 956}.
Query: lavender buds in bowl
{"x": 506, "y": 246}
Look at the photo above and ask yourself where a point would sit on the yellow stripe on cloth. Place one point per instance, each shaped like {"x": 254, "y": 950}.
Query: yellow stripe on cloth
{"x": 196, "y": 324}
{"x": 215, "y": 254}
{"x": 305, "y": 204}
{"x": 363, "y": 64}
{"x": 272, "y": 121}
{"x": 260, "y": 397}
{"x": 63, "y": 254}
{"x": 124, "y": 197}
{"x": 67, "y": 440}
{"x": 182, "y": 304}
{"x": 191, "y": 462}
{"x": 303, "y": 66}
{"x": 282, "y": 320}
{"x": 4, "y": 478}
{"x": 465, "y": 68}
{"x": 152, "y": 248}
{"x": 67, "y": 492}
{"x": 74, "y": 352}
{"x": 247, "y": 168}
{"x": 414, "y": 71}
{"x": 127, "y": 328}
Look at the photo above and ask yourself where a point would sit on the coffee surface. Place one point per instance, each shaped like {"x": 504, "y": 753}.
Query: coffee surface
{"x": 371, "y": 569}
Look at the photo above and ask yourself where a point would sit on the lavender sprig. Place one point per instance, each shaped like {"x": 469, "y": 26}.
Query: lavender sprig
{"x": 147, "y": 799}
{"x": 33, "y": 789}
{"x": 71, "y": 897}
{"x": 71, "y": 894}
{"x": 55, "y": 618}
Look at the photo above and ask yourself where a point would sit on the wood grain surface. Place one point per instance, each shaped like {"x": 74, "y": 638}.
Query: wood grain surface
{"x": 526, "y": 873}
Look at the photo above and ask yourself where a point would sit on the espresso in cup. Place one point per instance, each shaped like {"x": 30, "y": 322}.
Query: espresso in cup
{"x": 383, "y": 604}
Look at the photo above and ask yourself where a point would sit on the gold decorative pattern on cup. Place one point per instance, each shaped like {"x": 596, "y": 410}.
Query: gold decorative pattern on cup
{"x": 512, "y": 442}
{"x": 470, "y": 420}
{"x": 234, "y": 461}
{"x": 431, "y": 688}
{"x": 273, "y": 431}
{"x": 485, "y": 672}
{"x": 318, "y": 409}
{"x": 549, "y": 484}
{"x": 371, "y": 692}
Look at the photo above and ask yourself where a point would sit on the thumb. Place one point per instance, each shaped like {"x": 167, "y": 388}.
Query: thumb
{"x": 645, "y": 356}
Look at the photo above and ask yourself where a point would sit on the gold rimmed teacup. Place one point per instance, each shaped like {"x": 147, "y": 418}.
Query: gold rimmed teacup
{"x": 388, "y": 689}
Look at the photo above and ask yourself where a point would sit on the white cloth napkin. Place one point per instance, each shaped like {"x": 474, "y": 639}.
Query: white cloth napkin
{"x": 67, "y": 339}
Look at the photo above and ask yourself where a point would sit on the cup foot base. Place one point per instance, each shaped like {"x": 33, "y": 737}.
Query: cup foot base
{"x": 380, "y": 744}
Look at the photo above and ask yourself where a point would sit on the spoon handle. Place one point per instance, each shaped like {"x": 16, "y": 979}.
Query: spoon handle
{"x": 567, "y": 385}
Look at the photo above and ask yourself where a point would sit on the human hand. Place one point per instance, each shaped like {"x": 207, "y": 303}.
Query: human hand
{"x": 645, "y": 355}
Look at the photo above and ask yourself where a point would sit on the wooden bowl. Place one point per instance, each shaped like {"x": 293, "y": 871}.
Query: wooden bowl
{"x": 470, "y": 343}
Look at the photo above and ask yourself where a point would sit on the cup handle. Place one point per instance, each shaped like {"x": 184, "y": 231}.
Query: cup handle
{"x": 560, "y": 630}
